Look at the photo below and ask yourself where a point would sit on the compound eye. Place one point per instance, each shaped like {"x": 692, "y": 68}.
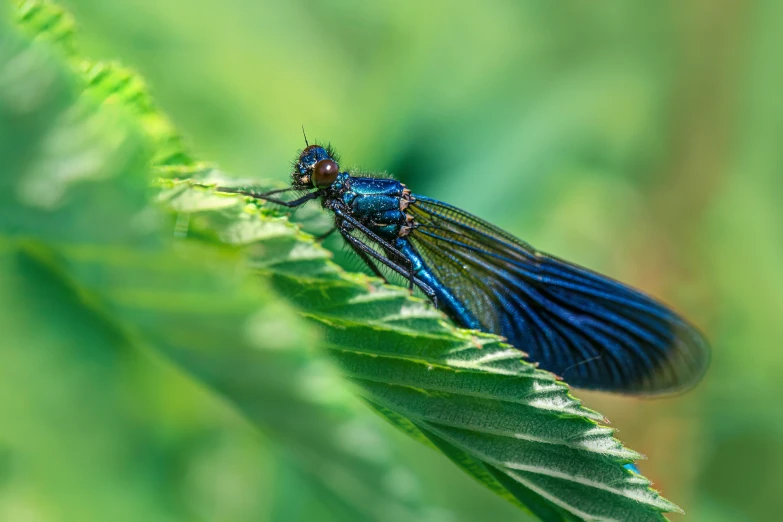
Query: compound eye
{"x": 324, "y": 173}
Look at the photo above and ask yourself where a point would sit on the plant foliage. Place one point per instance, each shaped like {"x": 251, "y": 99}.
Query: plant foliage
{"x": 238, "y": 298}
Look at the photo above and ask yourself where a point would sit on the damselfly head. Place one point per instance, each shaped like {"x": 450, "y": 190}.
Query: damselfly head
{"x": 316, "y": 167}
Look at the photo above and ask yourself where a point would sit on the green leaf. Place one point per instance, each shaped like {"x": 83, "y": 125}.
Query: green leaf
{"x": 47, "y": 22}
{"x": 182, "y": 289}
{"x": 109, "y": 83}
{"x": 87, "y": 258}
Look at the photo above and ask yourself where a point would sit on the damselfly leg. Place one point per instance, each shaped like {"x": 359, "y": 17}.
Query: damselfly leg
{"x": 359, "y": 245}
{"x": 266, "y": 196}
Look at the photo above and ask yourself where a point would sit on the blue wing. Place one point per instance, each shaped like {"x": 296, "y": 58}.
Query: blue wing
{"x": 591, "y": 330}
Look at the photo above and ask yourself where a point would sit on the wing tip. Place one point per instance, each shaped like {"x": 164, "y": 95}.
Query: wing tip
{"x": 682, "y": 370}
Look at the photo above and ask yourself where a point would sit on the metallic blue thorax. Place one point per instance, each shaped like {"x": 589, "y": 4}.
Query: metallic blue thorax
{"x": 378, "y": 202}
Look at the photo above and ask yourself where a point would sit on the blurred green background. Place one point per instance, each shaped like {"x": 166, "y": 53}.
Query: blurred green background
{"x": 640, "y": 139}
